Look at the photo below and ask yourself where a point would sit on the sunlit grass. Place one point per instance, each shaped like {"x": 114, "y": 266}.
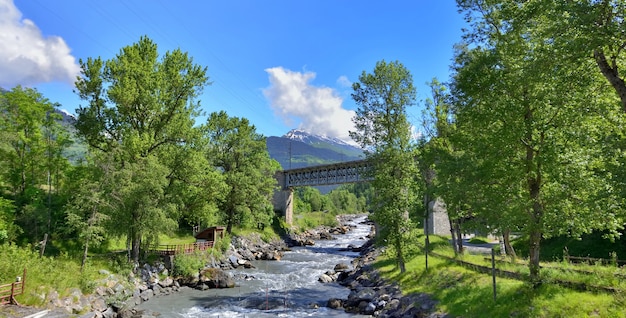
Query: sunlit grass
{"x": 464, "y": 293}
{"x": 44, "y": 274}
{"x": 311, "y": 220}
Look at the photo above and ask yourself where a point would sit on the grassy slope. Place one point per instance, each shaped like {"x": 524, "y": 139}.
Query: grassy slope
{"x": 464, "y": 293}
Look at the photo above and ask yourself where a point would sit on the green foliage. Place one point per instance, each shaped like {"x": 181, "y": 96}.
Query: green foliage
{"x": 342, "y": 200}
{"x": 32, "y": 163}
{"x": 223, "y": 244}
{"x": 594, "y": 245}
{"x": 311, "y": 220}
{"x": 237, "y": 150}
{"x": 140, "y": 120}
{"x": 530, "y": 109}
{"x": 8, "y": 229}
{"x": 187, "y": 265}
{"x": 382, "y": 128}
{"x": 44, "y": 274}
{"x": 462, "y": 292}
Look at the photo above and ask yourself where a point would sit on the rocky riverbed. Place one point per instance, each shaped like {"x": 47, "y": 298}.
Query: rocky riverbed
{"x": 117, "y": 296}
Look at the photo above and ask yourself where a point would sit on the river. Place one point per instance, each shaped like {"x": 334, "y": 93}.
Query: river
{"x": 285, "y": 288}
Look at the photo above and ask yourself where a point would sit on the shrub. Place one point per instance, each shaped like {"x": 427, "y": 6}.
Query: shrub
{"x": 188, "y": 264}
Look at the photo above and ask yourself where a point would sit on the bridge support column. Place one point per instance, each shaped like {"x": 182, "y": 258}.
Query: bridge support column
{"x": 283, "y": 202}
{"x": 289, "y": 206}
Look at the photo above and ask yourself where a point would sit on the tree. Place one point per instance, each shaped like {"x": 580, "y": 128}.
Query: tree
{"x": 436, "y": 155}
{"x": 241, "y": 154}
{"x": 86, "y": 211}
{"x": 383, "y": 130}
{"x": 530, "y": 116}
{"x": 30, "y": 154}
{"x": 140, "y": 109}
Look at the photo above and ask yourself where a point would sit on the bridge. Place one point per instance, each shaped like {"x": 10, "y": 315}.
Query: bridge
{"x": 339, "y": 173}
{"x": 330, "y": 174}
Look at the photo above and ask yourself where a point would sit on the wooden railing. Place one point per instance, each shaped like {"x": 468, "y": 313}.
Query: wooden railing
{"x": 183, "y": 248}
{"x": 591, "y": 260}
{"x": 9, "y": 291}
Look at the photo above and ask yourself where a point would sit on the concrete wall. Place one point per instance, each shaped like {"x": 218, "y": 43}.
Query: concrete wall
{"x": 283, "y": 202}
{"x": 438, "y": 222}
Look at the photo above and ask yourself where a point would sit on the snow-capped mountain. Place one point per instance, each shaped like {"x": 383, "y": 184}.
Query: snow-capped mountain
{"x": 299, "y": 148}
{"x": 309, "y": 138}
{"x": 67, "y": 118}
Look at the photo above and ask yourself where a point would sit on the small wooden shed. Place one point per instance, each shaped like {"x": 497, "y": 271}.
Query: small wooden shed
{"x": 210, "y": 234}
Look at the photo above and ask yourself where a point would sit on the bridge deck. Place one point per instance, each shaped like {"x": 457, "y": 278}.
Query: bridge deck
{"x": 336, "y": 173}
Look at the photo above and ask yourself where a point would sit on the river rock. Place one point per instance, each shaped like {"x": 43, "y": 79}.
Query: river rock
{"x": 234, "y": 261}
{"x": 216, "y": 278}
{"x": 335, "y": 303}
{"x": 109, "y": 313}
{"x": 167, "y": 282}
{"x": 98, "y": 304}
{"x": 324, "y": 278}
{"x": 146, "y": 295}
{"x": 341, "y": 267}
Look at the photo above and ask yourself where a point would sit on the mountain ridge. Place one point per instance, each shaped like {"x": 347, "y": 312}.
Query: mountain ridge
{"x": 299, "y": 149}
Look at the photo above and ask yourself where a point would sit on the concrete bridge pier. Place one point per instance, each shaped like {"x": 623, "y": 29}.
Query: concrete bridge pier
{"x": 283, "y": 197}
{"x": 283, "y": 202}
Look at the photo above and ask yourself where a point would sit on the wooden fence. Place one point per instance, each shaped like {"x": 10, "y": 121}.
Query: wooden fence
{"x": 183, "y": 248}
{"x": 9, "y": 291}
{"x": 591, "y": 260}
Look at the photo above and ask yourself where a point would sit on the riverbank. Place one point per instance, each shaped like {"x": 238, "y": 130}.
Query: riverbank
{"x": 366, "y": 293}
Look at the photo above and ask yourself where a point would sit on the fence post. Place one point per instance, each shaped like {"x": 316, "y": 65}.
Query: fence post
{"x": 493, "y": 271}
{"x": 24, "y": 280}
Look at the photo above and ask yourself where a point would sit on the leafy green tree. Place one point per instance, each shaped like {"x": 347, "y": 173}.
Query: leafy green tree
{"x": 86, "y": 211}
{"x": 8, "y": 228}
{"x": 530, "y": 119}
{"x": 30, "y": 156}
{"x": 308, "y": 199}
{"x": 382, "y": 128}
{"x": 140, "y": 110}
{"x": 241, "y": 154}
{"x": 344, "y": 200}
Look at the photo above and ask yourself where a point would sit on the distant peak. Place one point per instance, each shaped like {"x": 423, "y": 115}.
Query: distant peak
{"x": 66, "y": 113}
{"x": 311, "y": 138}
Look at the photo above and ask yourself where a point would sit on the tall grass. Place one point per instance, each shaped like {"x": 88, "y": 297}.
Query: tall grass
{"x": 44, "y": 274}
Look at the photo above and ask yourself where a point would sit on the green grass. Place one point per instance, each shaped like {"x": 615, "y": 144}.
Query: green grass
{"x": 590, "y": 245}
{"x": 479, "y": 240}
{"x": 44, "y": 274}
{"x": 464, "y": 293}
{"x": 311, "y": 220}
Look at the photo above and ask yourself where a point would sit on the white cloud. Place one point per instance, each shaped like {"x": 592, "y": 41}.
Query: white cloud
{"x": 26, "y": 56}
{"x": 344, "y": 81}
{"x": 319, "y": 109}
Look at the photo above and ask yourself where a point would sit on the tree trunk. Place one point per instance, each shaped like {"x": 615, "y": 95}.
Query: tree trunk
{"x": 399, "y": 255}
{"x": 135, "y": 245}
{"x": 611, "y": 73}
{"x": 229, "y": 224}
{"x": 536, "y": 215}
{"x": 453, "y": 234}
{"x": 508, "y": 248}
{"x": 533, "y": 179}
{"x": 82, "y": 264}
{"x": 459, "y": 236}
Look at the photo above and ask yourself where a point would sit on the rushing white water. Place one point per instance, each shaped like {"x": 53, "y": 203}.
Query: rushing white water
{"x": 285, "y": 288}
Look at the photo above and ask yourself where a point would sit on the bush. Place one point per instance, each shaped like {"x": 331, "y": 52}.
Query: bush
{"x": 188, "y": 264}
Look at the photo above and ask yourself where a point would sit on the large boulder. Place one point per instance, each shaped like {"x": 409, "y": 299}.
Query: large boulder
{"x": 216, "y": 278}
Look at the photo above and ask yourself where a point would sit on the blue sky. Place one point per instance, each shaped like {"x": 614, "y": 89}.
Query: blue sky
{"x": 281, "y": 64}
